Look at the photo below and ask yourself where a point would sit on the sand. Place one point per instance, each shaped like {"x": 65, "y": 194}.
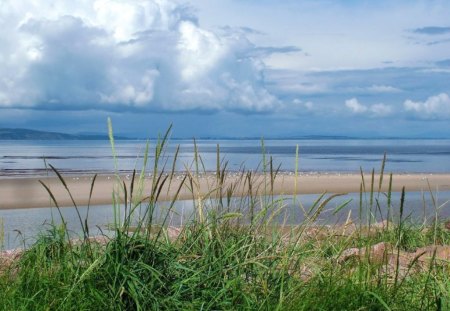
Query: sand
{"x": 29, "y": 193}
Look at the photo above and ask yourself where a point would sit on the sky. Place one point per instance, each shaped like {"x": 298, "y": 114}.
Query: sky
{"x": 227, "y": 68}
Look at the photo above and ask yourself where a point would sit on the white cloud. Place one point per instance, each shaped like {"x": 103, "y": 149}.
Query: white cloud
{"x": 436, "y": 107}
{"x": 301, "y": 88}
{"x": 383, "y": 89}
{"x": 112, "y": 54}
{"x": 200, "y": 50}
{"x": 381, "y": 109}
{"x": 354, "y": 105}
{"x": 373, "y": 89}
{"x": 298, "y": 104}
{"x": 376, "y": 110}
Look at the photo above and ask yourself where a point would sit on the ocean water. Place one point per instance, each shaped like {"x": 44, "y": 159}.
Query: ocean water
{"x": 30, "y": 157}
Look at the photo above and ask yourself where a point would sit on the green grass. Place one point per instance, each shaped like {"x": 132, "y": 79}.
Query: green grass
{"x": 227, "y": 257}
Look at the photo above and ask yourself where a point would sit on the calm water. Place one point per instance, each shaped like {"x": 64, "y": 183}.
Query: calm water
{"x": 27, "y": 157}
{"x": 21, "y": 226}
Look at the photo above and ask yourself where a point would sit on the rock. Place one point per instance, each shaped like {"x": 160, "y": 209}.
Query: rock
{"x": 316, "y": 232}
{"x": 426, "y": 253}
{"x": 379, "y": 251}
{"x": 347, "y": 229}
{"x": 350, "y": 228}
{"x": 399, "y": 263}
{"x": 376, "y": 253}
{"x": 348, "y": 254}
{"x": 382, "y": 225}
{"x": 306, "y": 273}
{"x": 173, "y": 232}
{"x": 447, "y": 225}
{"x": 7, "y": 258}
{"x": 393, "y": 261}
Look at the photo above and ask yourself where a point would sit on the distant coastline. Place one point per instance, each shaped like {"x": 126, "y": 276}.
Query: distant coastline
{"x": 29, "y": 134}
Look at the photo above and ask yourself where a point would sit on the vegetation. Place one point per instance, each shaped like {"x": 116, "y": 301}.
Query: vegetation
{"x": 233, "y": 254}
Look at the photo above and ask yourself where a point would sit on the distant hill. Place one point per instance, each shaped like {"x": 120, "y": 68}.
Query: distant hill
{"x": 26, "y": 134}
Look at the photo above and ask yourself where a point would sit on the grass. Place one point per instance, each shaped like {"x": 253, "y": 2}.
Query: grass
{"x": 231, "y": 254}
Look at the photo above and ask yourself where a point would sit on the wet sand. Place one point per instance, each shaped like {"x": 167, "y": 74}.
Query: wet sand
{"x": 28, "y": 192}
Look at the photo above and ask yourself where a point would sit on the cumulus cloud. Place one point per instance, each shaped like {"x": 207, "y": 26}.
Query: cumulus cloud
{"x": 435, "y": 107}
{"x": 354, "y": 106}
{"x": 376, "y": 110}
{"x": 114, "y": 55}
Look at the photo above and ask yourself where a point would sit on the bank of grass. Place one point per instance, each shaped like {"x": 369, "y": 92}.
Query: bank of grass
{"x": 230, "y": 255}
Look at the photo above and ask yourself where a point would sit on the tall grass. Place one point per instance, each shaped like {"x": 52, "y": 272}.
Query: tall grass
{"x": 232, "y": 254}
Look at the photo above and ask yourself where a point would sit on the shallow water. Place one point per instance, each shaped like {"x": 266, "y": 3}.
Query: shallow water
{"x": 27, "y": 157}
{"x": 22, "y": 226}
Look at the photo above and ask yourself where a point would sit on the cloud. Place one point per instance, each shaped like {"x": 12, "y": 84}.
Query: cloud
{"x": 383, "y": 89}
{"x": 268, "y": 50}
{"x": 114, "y": 55}
{"x": 355, "y": 106}
{"x": 438, "y": 42}
{"x": 432, "y": 30}
{"x": 246, "y": 30}
{"x": 381, "y": 110}
{"x": 435, "y": 107}
{"x": 373, "y": 89}
{"x": 298, "y": 104}
{"x": 376, "y": 110}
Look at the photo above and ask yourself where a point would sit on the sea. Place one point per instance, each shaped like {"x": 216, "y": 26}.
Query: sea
{"x": 21, "y": 227}
{"x": 31, "y": 158}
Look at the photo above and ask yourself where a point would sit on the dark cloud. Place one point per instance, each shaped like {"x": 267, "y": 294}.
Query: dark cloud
{"x": 438, "y": 42}
{"x": 432, "y": 30}
{"x": 244, "y": 30}
{"x": 269, "y": 50}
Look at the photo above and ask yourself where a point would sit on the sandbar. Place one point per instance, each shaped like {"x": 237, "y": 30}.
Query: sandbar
{"x": 29, "y": 192}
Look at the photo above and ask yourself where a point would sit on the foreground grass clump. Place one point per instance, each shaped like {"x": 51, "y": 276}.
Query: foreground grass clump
{"x": 232, "y": 254}
{"x": 219, "y": 267}
{"x": 229, "y": 269}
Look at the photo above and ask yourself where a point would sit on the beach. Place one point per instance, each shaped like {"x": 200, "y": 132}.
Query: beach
{"x": 29, "y": 192}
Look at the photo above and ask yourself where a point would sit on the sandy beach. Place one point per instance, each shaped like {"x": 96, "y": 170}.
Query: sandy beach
{"x": 28, "y": 192}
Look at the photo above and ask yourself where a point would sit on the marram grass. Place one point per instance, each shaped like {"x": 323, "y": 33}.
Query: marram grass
{"x": 229, "y": 256}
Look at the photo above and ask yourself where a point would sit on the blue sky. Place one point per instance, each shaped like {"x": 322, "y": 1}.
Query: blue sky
{"x": 227, "y": 67}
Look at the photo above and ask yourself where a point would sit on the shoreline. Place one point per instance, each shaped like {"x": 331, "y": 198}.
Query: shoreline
{"x": 27, "y": 192}
{"x": 47, "y": 173}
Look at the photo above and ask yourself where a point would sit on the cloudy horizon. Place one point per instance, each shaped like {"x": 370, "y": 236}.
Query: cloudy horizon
{"x": 227, "y": 68}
